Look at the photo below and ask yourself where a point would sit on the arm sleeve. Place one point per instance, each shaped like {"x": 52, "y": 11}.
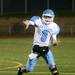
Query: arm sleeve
{"x": 34, "y": 20}
{"x": 56, "y": 32}
{"x": 31, "y": 22}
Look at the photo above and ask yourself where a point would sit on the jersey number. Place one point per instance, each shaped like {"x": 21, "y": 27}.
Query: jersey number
{"x": 44, "y": 35}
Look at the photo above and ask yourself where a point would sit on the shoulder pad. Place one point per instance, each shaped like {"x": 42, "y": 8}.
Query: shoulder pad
{"x": 35, "y": 18}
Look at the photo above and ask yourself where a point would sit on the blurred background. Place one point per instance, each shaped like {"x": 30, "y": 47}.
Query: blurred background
{"x": 12, "y": 12}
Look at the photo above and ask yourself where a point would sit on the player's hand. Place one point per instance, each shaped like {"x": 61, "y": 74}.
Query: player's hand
{"x": 56, "y": 42}
{"x": 26, "y": 22}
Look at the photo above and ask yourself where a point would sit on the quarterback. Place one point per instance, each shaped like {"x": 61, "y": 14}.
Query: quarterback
{"x": 45, "y": 35}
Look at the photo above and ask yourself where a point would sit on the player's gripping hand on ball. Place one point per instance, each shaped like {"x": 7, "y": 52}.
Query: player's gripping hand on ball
{"x": 27, "y": 23}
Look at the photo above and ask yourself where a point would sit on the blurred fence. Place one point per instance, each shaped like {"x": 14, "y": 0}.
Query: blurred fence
{"x": 12, "y": 25}
{"x": 21, "y": 8}
{"x": 67, "y": 25}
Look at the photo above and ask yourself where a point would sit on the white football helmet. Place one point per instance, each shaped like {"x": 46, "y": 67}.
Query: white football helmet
{"x": 48, "y": 16}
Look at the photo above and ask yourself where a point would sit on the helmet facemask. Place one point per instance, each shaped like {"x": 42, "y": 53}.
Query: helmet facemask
{"x": 47, "y": 19}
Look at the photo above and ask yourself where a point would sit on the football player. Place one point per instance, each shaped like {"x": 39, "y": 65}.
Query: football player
{"x": 46, "y": 31}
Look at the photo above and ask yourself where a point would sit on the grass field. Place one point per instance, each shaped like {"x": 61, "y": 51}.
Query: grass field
{"x": 14, "y": 53}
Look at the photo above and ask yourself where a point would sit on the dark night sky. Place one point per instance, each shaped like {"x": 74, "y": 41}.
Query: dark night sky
{"x": 36, "y": 5}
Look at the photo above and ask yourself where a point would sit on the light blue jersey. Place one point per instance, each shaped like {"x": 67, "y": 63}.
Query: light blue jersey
{"x": 42, "y": 36}
{"x": 44, "y": 32}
